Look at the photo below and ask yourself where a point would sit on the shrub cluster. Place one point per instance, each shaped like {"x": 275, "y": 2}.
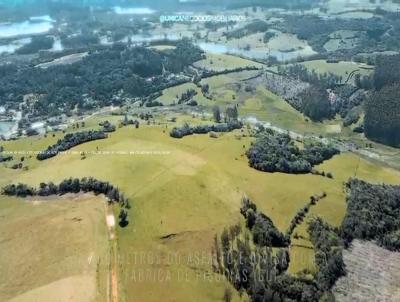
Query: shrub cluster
{"x": 4, "y": 158}
{"x": 107, "y": 126}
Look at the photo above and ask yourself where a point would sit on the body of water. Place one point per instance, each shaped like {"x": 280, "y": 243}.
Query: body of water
{"x": 133, "y": 10}
{"x": 35, "y": 25}
{"x": 14, "y": 45}
{"x": 218, "y": 48}
{"x": 6, "y": 127}
{"x": 140, "y": 39}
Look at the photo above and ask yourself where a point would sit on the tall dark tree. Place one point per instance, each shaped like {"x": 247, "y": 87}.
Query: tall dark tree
{"x": 217, "y": 114}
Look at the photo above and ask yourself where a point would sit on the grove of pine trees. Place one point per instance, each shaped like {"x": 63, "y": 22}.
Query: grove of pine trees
{"x": 382, "y": 109}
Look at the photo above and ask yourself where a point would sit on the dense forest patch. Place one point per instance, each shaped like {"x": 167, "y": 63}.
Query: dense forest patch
{"x": 382, "y": 109}
{"x": 37, "y": 43}
{"x": 276, "y": 152}
{"x": 373, "y": 213}
{"x": 315, "y": 103}
{"x": 99, "y": 79}
{"x": 382, "y": 115}
{"x": 386, "y": 71}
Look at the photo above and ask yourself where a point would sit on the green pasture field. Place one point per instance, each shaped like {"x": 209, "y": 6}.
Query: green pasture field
{"x": 183, "y": 192}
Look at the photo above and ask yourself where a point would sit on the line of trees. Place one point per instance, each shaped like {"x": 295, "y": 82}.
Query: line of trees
{"x": 179, "y": 132}
{"x": 301, "y": 214}
{"x": 74, "y": 185}
{"x": 69, "y": 141}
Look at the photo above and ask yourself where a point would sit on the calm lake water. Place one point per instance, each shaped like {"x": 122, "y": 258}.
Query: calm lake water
{"x": 35, "y": 25}
{"x": 255, "y": 53}
{"x": 133, "y": 10}
{"x": 14, "y": 45}
{"x": 5, "y": 127}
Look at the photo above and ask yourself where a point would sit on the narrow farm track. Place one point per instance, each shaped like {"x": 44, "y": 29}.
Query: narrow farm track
{"x": 113, "y": 270}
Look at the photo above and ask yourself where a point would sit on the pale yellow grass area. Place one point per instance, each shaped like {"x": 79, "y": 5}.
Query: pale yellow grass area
{"x": 220, "y": 62}
{"x": 334, "y": 128}
{"x": 286, "y": 41}
{"x": 171, "y": 95}
{"x": 81, "y": 288}
{"x": 53, "y": 249}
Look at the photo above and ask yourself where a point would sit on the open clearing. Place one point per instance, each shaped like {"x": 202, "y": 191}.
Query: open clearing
{"x": 341, "y": 68}
{"x": 183, "y": 197}
{"x": 53, "y": 249}
{"x": 219, "y": 62}
{"x": 373, "y": 274}
{"x": 65, "y": 60}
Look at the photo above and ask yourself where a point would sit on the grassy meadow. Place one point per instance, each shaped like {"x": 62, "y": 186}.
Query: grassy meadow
{"x": 342, "y": 68}
{"x": 219, "y": 62}
{"x": 183, "y": 192}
